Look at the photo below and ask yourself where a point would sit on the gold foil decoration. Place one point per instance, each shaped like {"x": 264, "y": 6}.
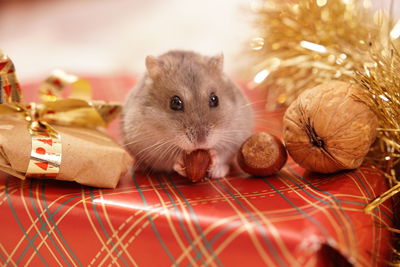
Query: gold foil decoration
{"x": 383, "y": 197}
{"x": 317, "y": 41}
{"x": 314, "y": 40}
{"x": 381, "y": 83}
{"x": 9, "y": 87}
{"x": 51, "y": 88}
{"x": 77, "y": 110}
{"x": 46, "y": 150}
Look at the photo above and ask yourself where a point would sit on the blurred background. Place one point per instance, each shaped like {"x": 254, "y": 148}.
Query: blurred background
{"x": 107, "y": 37}
{"x": 113, "y": 37}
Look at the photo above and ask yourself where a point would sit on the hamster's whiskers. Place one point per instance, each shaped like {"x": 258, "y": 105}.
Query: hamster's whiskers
{"x": 170, "y": 151}
{"x": 163, "y": 148}
{"x": 228, "y": 141}
{"x": 232, "y": 131}
{"x": 228, "y": 136}
{"x": 226, "y": 146}
{"x": 141, "y": 139}
{"x": 138, "y": 139}
{"x": 156, "y": 147}
{"x": 250, "y": 104}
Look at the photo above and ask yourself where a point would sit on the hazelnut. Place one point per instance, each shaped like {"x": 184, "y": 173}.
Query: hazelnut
{"x": 197, "y": 163}
{"x": 262, "y": 154}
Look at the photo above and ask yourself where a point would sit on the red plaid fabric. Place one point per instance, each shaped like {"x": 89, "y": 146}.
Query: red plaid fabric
{"x": 293, "y": 218}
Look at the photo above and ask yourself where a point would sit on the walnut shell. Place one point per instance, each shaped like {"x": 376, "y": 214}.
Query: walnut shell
{"x": 197, "y": 163}
{"x": 262, "y": 154}
{"x": 329, "y": 128}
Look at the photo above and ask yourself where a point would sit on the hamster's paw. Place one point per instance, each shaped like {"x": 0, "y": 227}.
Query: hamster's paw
{"x": 218, "y": 171}
{"x": 179, "y": 167}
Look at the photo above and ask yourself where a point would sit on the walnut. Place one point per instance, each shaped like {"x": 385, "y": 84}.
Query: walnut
{"x": 329, "y": 127}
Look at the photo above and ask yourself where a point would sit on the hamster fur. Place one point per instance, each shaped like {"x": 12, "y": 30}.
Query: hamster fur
{"x": 185, "y": 102}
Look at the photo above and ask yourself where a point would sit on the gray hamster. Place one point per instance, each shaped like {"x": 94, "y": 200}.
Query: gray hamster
{"x": 185, "y": 102}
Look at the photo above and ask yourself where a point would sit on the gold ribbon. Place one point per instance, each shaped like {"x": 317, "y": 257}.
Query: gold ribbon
{"x": 77, "y": 110}
{"x": 10, "y": 90}
{"x": 45, "y": 161}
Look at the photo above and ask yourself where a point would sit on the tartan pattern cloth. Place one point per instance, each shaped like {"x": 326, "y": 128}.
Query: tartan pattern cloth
{"x": 165, "y": 220}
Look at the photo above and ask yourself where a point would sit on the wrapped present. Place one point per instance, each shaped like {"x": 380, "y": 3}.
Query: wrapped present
{"x": 294, "y": 218}
{"x": 291, "y": 219}
{"x": 58, "y": 138}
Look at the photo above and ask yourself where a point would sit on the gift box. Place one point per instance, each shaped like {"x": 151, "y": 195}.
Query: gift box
{"x": 292, "y": 218}
{"x": 58, "y": 138}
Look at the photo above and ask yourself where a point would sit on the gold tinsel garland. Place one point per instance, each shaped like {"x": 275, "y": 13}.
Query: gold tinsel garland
{"x": 303, "y": 43}
{"x": 382, "y": 84}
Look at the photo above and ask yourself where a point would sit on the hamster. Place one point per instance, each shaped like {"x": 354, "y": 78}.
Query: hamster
{"x": 182, "y": 103}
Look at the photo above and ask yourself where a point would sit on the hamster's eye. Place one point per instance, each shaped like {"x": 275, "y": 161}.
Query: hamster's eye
{"x": 176, "y": 103}
{"x": 213, "y": 101}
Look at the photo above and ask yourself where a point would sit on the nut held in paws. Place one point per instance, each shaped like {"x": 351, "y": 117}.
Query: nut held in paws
{"x": 262, "y": 154}
{"x": 197, "y": 163}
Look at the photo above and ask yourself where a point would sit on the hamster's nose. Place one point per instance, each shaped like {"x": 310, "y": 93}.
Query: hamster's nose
{"x": 198, "y": 137}
{"x": 201, "y": 138}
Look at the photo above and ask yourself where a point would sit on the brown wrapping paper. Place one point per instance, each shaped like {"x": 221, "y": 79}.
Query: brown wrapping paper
{"x": 89, "y": 156}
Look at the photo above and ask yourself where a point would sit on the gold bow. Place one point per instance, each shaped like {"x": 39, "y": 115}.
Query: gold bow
{"x": 77, "y": 110}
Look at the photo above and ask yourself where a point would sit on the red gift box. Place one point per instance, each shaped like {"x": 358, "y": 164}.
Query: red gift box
{"x": 290, "y": 219}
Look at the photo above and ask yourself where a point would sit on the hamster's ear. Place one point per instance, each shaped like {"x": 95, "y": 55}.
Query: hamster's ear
{"x": 217, "y": 62}
{"x": 154, "y": 66}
